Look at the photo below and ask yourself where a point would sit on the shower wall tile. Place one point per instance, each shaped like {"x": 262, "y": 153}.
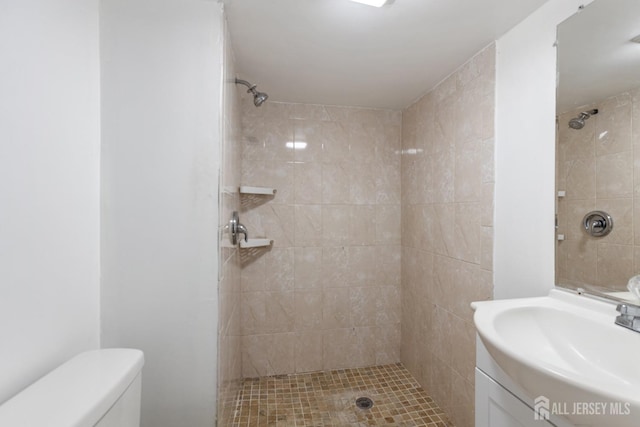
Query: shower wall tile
{"x": 271, "y": 354}
{"x": 614, "y": 175}
{"x": 308, "y": 182}
{"x": 309, "y": 351}
{"x": 613, "y": 127}
{"x": 308, "y": 310}
{"x": 308, "y": 268}
{"x": 331, "y": 280}
{"x": 447, "y": 178}
{"x": 615, "y": 265}
{"x": 346, "y": 346}
{"x": 387, "y": 344}
{"x": 599, "y": 168}
{"x": 579, "y": 178}
{"x": 387, "y": 225}
{"x": 229, "y": 281}
{"x": 267, "y": 312}
{"x": 307, "y": 225}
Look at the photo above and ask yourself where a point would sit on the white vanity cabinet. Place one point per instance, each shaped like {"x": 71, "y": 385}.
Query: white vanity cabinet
{"x": 499, "y": 401}
{"x": 497, "y": 407}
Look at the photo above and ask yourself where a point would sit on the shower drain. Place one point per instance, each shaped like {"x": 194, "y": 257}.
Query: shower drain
{"x": 364, "y": 403}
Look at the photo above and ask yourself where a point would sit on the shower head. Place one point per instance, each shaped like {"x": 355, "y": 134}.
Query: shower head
{"x": 258, "y": 97}
{"x": 578, "y": 122}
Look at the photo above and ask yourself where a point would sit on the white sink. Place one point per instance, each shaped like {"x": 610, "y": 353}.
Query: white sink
{"x": 567, "y": 348}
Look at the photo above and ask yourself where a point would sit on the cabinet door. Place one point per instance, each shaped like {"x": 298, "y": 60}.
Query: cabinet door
{"x": 496, "y": 407}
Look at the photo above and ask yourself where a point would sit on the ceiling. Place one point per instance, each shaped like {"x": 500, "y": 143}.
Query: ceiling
{"x": 596, "y": 58}
{"x": 338, "y": 52}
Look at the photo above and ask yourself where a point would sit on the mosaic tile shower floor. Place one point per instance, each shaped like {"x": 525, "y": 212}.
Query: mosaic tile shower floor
{"x": 327, "y": 399}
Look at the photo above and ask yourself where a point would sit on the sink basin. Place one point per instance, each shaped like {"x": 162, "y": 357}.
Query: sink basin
{"x": 567, "y": 348}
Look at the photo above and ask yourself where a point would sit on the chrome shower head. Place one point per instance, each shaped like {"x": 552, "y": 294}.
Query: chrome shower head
{"x": 578, "y": 122}
{"x": 258, "y": 97}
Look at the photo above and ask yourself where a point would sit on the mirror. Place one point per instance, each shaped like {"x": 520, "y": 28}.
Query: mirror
{"x": 598, "y": 147}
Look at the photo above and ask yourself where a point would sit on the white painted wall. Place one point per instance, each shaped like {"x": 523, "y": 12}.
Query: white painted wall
{"x": 161, "y": 80}
{"x": 49, "y": 186}
{"x": 524, "y": 251}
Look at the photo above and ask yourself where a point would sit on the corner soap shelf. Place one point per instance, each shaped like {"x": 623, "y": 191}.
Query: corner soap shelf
{"x": 254, "y": 193}
{"x": 255, "y": 243}
{"x": 246, "y": 189}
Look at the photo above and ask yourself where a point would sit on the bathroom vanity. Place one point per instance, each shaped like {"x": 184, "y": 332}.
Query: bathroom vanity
{"x": 559, "y": 360}
{"x": 500, "y": 402}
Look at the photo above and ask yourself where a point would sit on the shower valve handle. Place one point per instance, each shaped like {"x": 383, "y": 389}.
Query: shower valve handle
{"x": 236, "y": 228}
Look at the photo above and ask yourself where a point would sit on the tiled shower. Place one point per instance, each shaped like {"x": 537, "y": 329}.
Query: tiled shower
{"x": 382, "y": 235}
{"x": 327, "y": 294}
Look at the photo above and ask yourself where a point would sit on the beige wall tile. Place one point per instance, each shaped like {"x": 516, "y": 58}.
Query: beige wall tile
{"x": 308, "y": 268}
{"x": 362, "y": 177}
{"x": 462, "y": 401}
{"x": 580, "y": 260}
{"x": 613, "y": 125}
{"x": 311, "y": 133}
{"x": 447, "y": 230}
{"x": 308, "y": 112}
{"x": 486, "y": 219}
{"x": 580, "y": 178}
{"x": 387, "y": 344}
{"x": 468, "y": 175}
{"x": 336, "y": 308}
{"x": 308, "y": 351}
{"x": 486, "y": 251}
{"x": 614, "y": 175}
{"x": 348, "y": 347}
{"x": 336, "y": 184}
{"x": 307, "y": 182}
{"x": 271, "y": 354}
{"x": 336, "y": 225}
{"x": 267, "y": 312}
{"x": 362, "y": 228}
{"x": 467, "y": 232}
{"x": 463, "y": 344}
{"x": 441, "y": 384}
{"x": 308, "y": 310}
{"x": 335, "y": 267}
{"x": 615, "y": 265}
{"x": 387, "y": 224}
{"x": 364, "y": 303}
{"x": 278, "y": 271}
{"x": 443, "y": 231}
{"x": 388, "y": 265}
{"x": 335, "y": 138}
{"x": 362, "y": 266}
{"x": 308, "y": 225}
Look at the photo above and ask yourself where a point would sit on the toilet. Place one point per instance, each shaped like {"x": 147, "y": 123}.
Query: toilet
{"x": 99, "y": 388}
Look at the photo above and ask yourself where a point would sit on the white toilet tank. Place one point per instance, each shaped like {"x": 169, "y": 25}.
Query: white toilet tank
{"x": 99, "y": 388}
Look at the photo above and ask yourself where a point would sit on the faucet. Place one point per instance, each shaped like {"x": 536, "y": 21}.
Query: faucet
{"x": 629, "y": 316}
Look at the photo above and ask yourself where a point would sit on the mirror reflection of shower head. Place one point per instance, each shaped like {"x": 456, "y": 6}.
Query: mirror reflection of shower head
{"x": 258, "y": 97}
{"x": 578, "y": 122}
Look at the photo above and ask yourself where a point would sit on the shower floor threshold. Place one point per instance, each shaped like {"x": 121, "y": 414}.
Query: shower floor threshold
{"x": 329, "y": 399}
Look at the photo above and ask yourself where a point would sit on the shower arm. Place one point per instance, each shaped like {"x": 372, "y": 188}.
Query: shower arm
{"x": 252, "y": 88}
